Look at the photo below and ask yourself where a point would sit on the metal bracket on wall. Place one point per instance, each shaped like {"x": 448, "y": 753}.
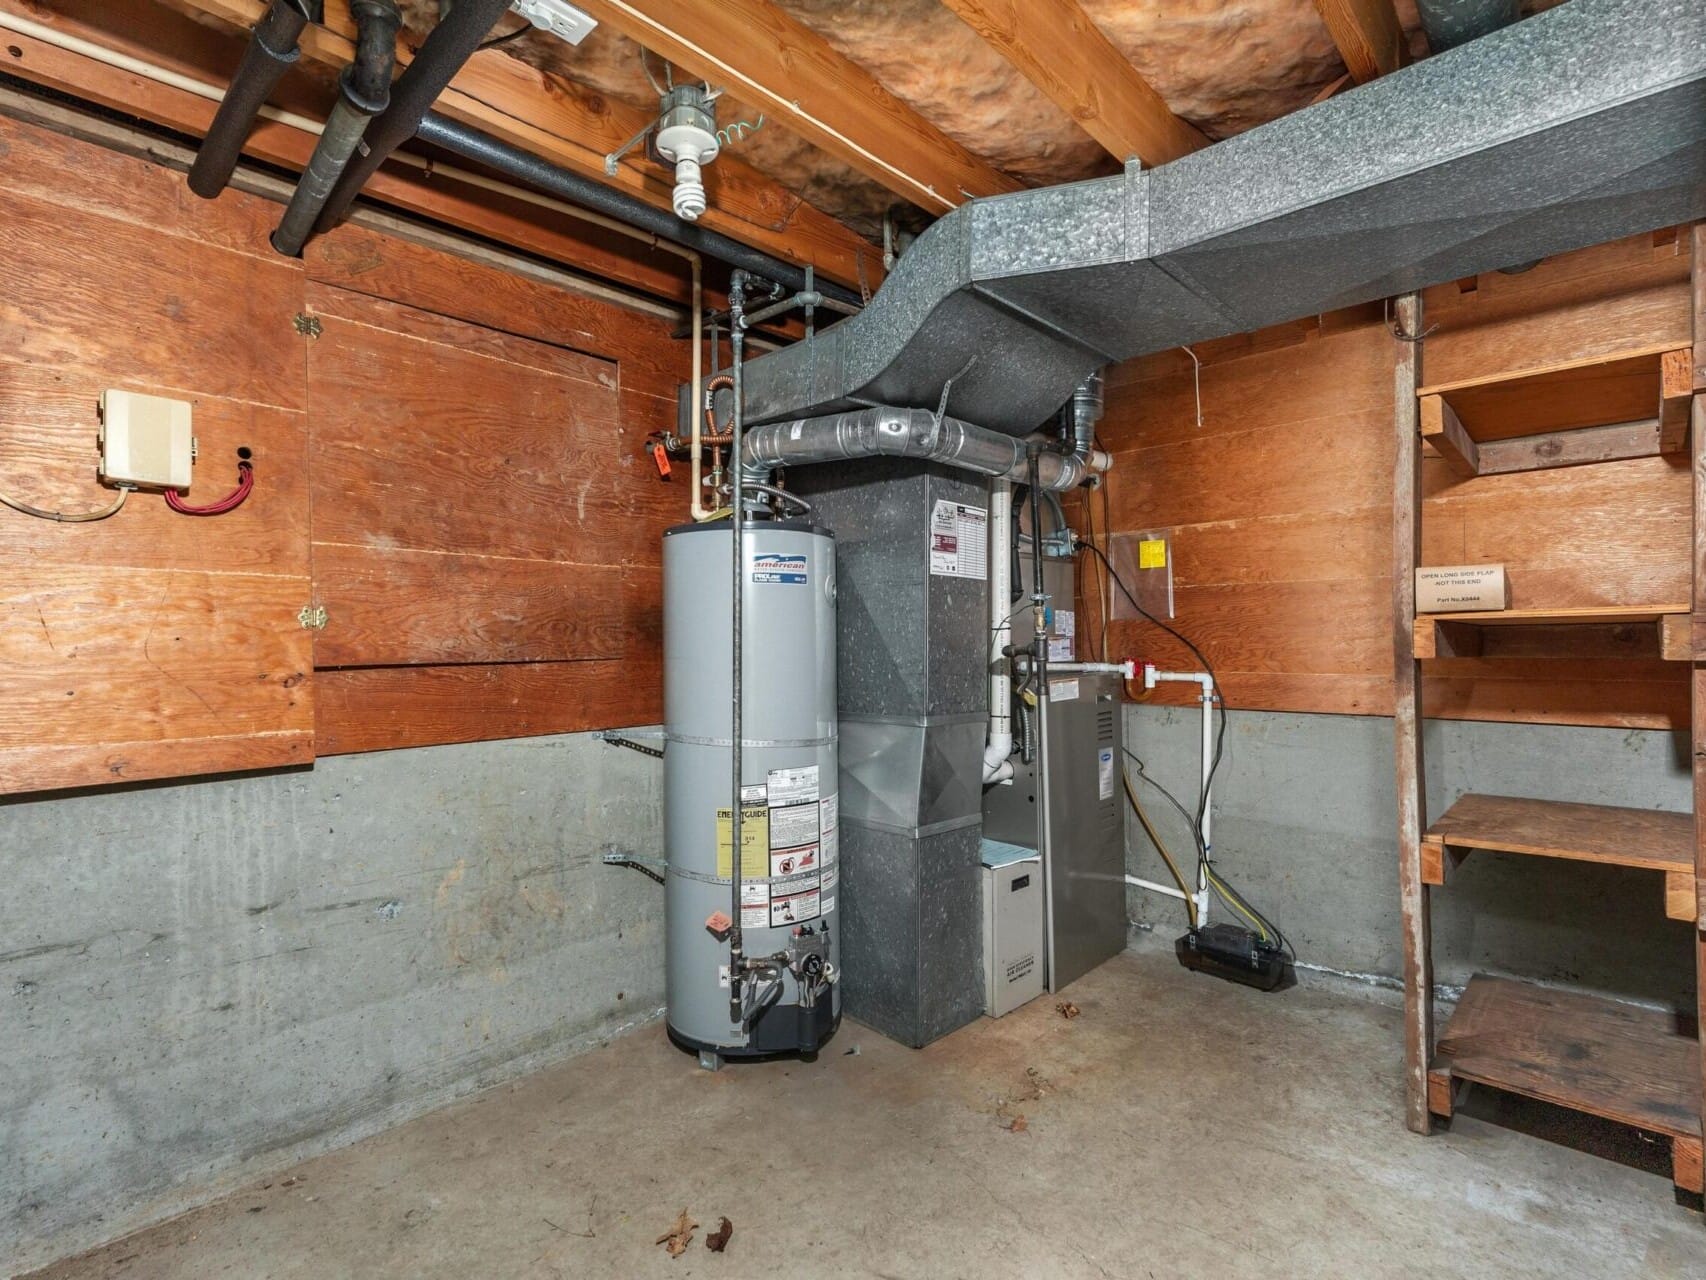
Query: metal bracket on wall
{"x": 313, "y": 617}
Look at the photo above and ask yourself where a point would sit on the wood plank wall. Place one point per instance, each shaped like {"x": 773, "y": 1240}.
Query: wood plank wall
{"x": 1280, "y": 502}
{"x": 452, "y": 468}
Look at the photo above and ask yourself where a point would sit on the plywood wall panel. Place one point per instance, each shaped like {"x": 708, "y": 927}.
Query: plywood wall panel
{"x": 1278, "y": 503}
{"x": 409, "y": 607}
{"x": 473, "y": 442}
{"x": 1616, "y": 297}
{"x": 48, "y": 457}
{"x": 104, "y": 296}
{"x": 379, "y": 709}
{"x": 36, "y": 163}
{"x": 98, "y": 657}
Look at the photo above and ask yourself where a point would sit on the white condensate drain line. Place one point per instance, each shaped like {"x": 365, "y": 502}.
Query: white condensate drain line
{"x": 1151, "y": 678}
{"x": 213, "y": 93}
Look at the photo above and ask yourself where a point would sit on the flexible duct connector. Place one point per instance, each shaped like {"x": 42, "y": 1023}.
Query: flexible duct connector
{"x": 364, "y": 92}
{"x": 909, "y": 433}
{"x": 272, "y": 51}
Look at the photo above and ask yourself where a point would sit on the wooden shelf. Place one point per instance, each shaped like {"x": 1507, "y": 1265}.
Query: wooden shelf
{"x": 1631, "y": 1065}
{"x": 1459, "y": 635}
{"x": 1653, "y": 840}
{"x": 1634, "y": 404}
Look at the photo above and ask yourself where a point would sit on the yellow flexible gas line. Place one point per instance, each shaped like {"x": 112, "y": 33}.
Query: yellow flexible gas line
{"x": 1155, "y": 838}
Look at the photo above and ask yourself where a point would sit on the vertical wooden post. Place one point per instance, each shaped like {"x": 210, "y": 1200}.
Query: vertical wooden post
{"x": 1697, "y": 629}
{"x": 1406, "y": 713}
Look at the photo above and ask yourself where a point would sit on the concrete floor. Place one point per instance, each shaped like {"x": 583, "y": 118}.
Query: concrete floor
{"x": 1184, "y": 1128}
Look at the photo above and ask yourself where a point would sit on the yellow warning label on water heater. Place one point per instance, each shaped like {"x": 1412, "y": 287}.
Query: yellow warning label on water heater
{"x": 754, "y": 841}
{"x": 1151, "y": 554}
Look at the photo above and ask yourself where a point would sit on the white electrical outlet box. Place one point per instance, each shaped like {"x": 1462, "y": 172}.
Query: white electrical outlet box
{"x": 146, "y": 440}
{"x": 558, "y": 17}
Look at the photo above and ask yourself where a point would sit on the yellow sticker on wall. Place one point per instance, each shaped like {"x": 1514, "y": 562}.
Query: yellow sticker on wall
{"x": 1151, "y": 554}
{"x": 754, "y": 841}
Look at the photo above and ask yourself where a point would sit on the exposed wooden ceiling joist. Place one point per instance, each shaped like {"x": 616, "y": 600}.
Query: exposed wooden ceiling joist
{"x": 572, "y": 126}
{"x": 1061, "y": 51}
{"x": 769, "y": 59}
{"x": 1368, "y": 35}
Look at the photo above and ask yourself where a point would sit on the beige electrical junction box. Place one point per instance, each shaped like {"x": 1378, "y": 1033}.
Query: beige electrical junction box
{"x": 146, "y": 440}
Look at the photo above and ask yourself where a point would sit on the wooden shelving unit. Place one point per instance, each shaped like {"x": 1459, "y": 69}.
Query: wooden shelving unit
{"x": 1652, "y": 840}
{"x": 1627, "y": 1064}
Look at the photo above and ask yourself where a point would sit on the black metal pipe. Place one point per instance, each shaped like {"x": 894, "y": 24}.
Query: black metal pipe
{"x": 272, "y": 51}
{"x": 364, "y": 90}
{"x": 529, "y": 169}
{"x": 444, "y": 52}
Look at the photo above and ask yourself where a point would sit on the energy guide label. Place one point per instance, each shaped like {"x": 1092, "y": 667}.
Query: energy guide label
{"x": 792, "y": 786}
{"x": 792, "y": 827}
{"x": 959, "y": 541}
{"x": 754, "y": 906}
{"x": 792, "y": 862}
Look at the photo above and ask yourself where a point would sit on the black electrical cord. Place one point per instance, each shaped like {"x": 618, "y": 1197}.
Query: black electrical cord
{"x": 1220, "y": 733}
{"x": 1227, "y": 891}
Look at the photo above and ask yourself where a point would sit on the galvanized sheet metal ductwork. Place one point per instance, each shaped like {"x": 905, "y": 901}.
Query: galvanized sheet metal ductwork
{"x": 1577, "y": 126}
{"x": 910, "y": 433}
{"x": 1449, "y": 23}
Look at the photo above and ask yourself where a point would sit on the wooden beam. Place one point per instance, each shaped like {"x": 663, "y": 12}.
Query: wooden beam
{"x": 1413, "y": 902}
{"x": 1061, "y": 51}
{"x": 1368, "y": 34}
{"x": 1676, "y": 389}
{"x": 570, "y": 124}
{"x": 768, "y": 58}
{"x": 1570, "y": 448}
{"x": 1445, "y": 433}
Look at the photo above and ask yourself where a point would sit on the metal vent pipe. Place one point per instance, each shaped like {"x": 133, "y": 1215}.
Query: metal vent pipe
{"x": 1450, "y": 23}
{"x": 911, "y": 433}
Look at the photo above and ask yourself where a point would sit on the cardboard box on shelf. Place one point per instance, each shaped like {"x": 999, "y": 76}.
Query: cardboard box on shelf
{"x": 1462, "y": 588}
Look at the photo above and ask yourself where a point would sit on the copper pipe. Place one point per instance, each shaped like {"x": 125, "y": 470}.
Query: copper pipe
{"x": 711, "y": 436}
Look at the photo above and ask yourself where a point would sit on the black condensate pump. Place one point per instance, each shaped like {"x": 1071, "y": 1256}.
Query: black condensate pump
{"x": 1235, "y": 953}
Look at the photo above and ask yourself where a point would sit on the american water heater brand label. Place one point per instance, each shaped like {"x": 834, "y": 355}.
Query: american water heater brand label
{"x": 771, "y": 566}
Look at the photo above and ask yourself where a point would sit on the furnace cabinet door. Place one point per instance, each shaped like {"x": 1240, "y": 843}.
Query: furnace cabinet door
{"x": 1086, "y": 845}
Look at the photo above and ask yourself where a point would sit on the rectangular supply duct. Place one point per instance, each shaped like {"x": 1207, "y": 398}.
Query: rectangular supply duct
{"x": 912, "y": 690}
{"x": 1577, "y": 126}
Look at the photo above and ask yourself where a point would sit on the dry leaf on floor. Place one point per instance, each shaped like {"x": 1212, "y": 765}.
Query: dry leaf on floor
{"x": 678, "y": 1237}
{"x": 1019, "y": 1124}
{"x": 1066, "y": 1009}
{"x": 718, "y": 1240}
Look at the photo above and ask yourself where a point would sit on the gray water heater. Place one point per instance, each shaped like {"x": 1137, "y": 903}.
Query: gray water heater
{"x": 790, "y": 866}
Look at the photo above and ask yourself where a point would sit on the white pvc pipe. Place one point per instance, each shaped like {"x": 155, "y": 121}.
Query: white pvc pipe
{"x": 1172, "y": 891}
{"x": 1151, "y": 678}
{"x": 998, "y": 752}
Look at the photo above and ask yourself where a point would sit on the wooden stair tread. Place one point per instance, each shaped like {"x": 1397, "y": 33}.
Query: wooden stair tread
{"x": 1631, "y": 1065}
{"x": 1654, "y": 838}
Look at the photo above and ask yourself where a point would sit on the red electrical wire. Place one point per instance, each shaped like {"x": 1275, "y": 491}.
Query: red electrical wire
{"x": 230, "y": 502}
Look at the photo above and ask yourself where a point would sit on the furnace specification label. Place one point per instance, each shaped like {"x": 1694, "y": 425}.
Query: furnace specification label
{"x": 959, "y": 541}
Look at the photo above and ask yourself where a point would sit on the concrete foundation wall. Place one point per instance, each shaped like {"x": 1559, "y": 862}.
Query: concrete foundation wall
{"x": 1305, "y": 825}
{"x": 200, "y": 982}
